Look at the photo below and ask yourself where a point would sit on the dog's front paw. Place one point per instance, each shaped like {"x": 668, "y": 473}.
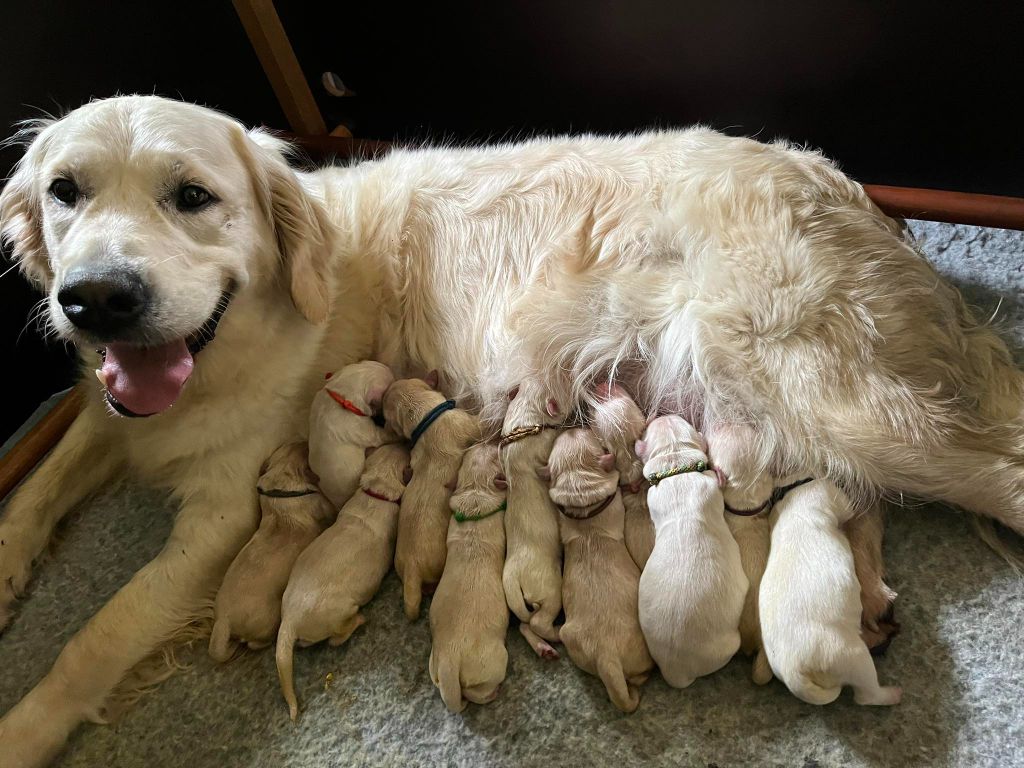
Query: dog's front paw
{"x": 877, "y": 601}
{"x": 15, "y": 570}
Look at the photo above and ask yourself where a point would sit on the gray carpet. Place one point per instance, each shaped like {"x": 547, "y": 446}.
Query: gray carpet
{"x": 960, "y": 657}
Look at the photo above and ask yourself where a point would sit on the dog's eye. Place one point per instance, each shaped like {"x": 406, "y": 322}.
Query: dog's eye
{"x": 192, "y": 197}
{"x": 64, "y": 191}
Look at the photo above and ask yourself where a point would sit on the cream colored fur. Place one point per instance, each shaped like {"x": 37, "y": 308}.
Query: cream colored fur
{"x": 810, "y": 601}
{"x": 693, "y": 589}
{"x": 620, "y": 423}
{"x": 343, "y": 568}
{"x": 601, "y": 632}
{"x": 338, "y": 438}
{"x": 468, "y": 614}
{"x": 533, "y": 562}
{"x": 423, "y": 517}
{"x": 746, "y": 282}
{"x": 248, "y": 605}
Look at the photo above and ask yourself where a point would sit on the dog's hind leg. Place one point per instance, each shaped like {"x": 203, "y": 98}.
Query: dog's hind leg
{"x": 82, "y": 462}
{"x": 864, "y": 532}
{"x": 160, "y": 600}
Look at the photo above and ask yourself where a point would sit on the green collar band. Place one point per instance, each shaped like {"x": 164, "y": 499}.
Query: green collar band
{"x": 462, "y": 517}
{"x": 697, "y": 466}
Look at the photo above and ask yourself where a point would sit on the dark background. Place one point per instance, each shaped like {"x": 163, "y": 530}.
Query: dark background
{"x": 915, "y": 94}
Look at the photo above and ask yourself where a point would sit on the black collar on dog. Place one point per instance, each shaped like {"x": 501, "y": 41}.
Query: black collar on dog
{"x": 278, "y": 493}
{"x": 780, "y": 492}
{"x": 594, "y": 512}
{"x": 429, "y": 419}
{"x": 751, "y": 512}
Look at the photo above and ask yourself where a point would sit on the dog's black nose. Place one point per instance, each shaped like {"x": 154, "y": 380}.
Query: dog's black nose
{"x": 105, "y": 303}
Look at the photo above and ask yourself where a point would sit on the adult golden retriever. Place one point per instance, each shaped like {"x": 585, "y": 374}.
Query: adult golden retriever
{"x": 723, "y": 277}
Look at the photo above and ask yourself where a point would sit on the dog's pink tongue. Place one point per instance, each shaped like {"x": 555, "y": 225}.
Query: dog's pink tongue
{"x": 147, "y": 380}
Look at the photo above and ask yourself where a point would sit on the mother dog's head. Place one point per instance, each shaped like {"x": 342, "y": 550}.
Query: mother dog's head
{"x": 141, "y": 217}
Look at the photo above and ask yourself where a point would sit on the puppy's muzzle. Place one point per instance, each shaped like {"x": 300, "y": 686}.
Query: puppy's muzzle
{"x": 108, "y": 304}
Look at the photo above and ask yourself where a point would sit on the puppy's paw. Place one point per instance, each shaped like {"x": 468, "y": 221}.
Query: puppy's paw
{"x": 877, "y": 601}
{"x": 540, "y": 646}
{"x": 15, "y": 572}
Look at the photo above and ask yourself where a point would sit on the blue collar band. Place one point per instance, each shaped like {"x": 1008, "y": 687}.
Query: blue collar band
{"x": 429, "y": 419}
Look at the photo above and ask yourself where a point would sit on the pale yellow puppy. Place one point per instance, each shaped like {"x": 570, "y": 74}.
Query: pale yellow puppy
{"x": 468, "y": 614}
{"x": 533, "y": 564}
{"x": 439, "y": 434}
{"x": 294, "y": 512}
{"x": 619, "y": 423}
{"x": 748, "y": 494}
{"x": 600, "y": 583}
{"x": 343, "y": 568}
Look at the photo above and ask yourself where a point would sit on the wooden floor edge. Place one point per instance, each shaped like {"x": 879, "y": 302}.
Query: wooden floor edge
{"x": 37, "y": 442}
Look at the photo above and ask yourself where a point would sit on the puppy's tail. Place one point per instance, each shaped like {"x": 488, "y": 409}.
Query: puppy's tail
{"x": 412, "y": 594}
{"x": 514, "y": 596}
{"x": 285, "y": 653}
{"x": 762, "y": 673}
{"x": 221, "y": 647}
{"x": 449, "y": 686}
{"x": 623, "y": 695}
{"x": 812, "y": 691}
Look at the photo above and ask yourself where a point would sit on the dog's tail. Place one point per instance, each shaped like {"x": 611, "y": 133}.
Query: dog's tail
{"x": 412, "y": 594}
{"x": 623, "y": 695}
{"x": 543, "y": 622}
{"x": 285, "y": 653}
{"x": 814, "y": 691}
{"x": 221, "y": 647}
{"x": 449, "y": 686}
{"x": 762, "y": 673}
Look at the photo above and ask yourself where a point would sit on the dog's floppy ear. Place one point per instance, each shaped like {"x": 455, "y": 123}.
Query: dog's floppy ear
{"x": 606, "y": 462}
{"x": 305, "y": 235}
{"x": 21, "y": 214}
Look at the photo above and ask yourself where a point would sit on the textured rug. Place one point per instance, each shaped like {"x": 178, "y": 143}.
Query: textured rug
{"x": 960, "y": 657}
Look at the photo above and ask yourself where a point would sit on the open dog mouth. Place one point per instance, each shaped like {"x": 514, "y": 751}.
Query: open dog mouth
{"x": 144, "y": 381}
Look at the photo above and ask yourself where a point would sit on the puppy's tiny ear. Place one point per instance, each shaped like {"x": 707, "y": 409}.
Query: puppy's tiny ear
{"x": 641, "y": 449}
{"x": 432, "y": 379}
{"x": 603, "y": 390}
{"x": 406, "y": 475}
{"x": 544, "y": 473}
{"x": 501, "y": 482}
{"x": 606, "y": 462}
{"x": 552, "y": 408}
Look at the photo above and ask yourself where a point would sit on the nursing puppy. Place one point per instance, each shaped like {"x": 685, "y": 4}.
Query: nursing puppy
{"x": 810, "y": 601}
{"x": 343, "y": 568}
{"x": 439, "y": 434}
{"x": 341, "y": 426}
{"x": 532, "y": 577}
{"x": 619, "y": 423}
{"x": 693, "y": 588}
{"x": 599, "y": 586}
{"x": 747, "y": 493}
{"x": 248, "y": 605}
{"x": 468, "y": 614}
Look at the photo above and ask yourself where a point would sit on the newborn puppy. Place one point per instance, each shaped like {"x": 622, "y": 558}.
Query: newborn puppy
{"x": 533, "y": 564}
{"x": 468, "y": 615}
{"x": 747, "y": 494}
{"x": 599, "y": 587}
{"x": 439, "y": 434}
{"x": 810, "y": 601}
{"x": 619, "y": 423}
{"x": 294, "y": 512}
{"x": 341, "y": 426}
{"x": 693, "y": 588}
{"x": 343, "y": 568}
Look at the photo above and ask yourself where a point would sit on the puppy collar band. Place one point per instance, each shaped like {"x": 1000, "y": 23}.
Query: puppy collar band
{"x": 519, "y": 433}
{"x": 348, "y": 405}
{"x": 278, "y": 493}
{"x": 381, "y": 496}
{"x": 592, "y": 513}
{"x": 697, "y": 466}
{"x": 774, "y": 499}
{"x": 750, "y": 512}
{"x": 780, "y": 492}
{"x": 429, "y": 419}
{"x": 462, "y": 517}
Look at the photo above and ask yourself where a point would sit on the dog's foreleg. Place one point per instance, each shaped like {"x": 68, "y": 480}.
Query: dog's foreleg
{"x": 865, "y": 535}
{"x": 83, "y": 460}
{"x": 214, "y": 523}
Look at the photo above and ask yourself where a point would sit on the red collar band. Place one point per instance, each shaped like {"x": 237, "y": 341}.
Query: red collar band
{"x": 348, "y": 405}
